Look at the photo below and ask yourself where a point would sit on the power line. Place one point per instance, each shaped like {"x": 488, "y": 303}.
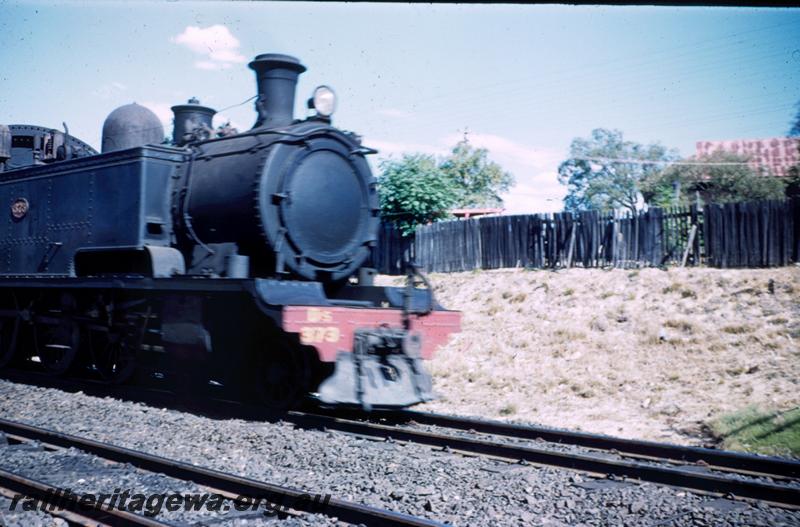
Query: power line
{"x": 702, "y": 120}
{"x": 695, "y": 47}
{"x": 633, "y": 90}
{"x": 580, "y": 84}
{"x": 662, "y": 162}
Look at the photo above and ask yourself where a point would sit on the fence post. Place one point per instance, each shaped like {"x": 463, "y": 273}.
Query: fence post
{"x": 571, "y": 243}
{"x": 689, "y": 245}
{"x": 695, "y": 219}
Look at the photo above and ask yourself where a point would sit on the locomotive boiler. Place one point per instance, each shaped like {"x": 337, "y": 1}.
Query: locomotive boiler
{"x": 217, "y": 259}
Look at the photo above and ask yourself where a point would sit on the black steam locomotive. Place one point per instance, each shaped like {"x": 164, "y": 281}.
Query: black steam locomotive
{"x": 224, "y": 259}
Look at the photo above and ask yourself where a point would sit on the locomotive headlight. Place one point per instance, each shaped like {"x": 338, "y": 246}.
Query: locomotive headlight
{"x": 323, "y": 101}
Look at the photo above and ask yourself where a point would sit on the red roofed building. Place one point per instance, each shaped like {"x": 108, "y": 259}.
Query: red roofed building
{"x": 777, "y": 154}
{"x": 474, "y": 213}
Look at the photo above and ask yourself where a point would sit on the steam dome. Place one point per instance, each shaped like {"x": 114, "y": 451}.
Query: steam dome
{"x": 130, "y": 126}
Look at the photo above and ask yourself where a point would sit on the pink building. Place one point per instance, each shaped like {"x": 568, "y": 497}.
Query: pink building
{"x": 777, "y": 154}
{"x": 474, "y": 213}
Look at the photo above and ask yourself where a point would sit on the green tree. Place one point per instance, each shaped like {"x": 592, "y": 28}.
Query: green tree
{"x": 413, "y": 191}
{"x": 793, "y": 183}
{"x": 478, "y": 181}
{"x": 794, "y": 131}
{"x": 719, "y": 177}
{"x": 605, "y": 171}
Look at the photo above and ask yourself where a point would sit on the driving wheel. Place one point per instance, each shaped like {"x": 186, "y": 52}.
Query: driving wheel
{"x": 56, "y": 342}
{"x": 282, "y": 376}
{"x": 9, "y": 329}
{"x": 113, "y": 353}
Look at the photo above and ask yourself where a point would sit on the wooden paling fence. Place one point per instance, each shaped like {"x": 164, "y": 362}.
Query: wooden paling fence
{"x": 751, "y": 234}
{"x": 391, "y": 250}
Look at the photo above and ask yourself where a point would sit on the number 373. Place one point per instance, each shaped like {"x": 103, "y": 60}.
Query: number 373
{"x": 317, "y": 334}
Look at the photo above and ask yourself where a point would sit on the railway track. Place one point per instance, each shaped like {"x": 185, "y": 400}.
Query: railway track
{"x": 69, "y": 510}
{"x": 701, "y": 470}
{"x": 723, "y": 473}
{"x": 225, "y": 484}
{"x": 720, "y": 460}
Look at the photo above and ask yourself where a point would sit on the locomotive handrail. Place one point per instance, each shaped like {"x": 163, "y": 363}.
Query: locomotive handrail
{"x": 185, "y": 194}
{"x": 258, "y": 132}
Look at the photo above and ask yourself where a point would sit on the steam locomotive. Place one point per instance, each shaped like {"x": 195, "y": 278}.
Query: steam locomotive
{"x": 218, "y": 258}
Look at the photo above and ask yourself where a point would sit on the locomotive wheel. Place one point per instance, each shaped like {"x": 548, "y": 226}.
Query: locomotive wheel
{"x": 9, "y": 330}
{"x": 56, "y": 343}
{"x": 282, "y": 377}
{"x": 113, "y": 354}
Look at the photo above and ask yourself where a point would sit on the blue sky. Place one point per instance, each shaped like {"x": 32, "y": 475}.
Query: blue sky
{"x": 523, "y": 80}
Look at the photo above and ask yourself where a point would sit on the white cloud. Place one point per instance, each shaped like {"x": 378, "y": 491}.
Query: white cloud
{"x": 216, "y": 45}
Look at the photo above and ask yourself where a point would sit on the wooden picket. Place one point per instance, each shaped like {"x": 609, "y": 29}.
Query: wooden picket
{"x": 751, "y": 234}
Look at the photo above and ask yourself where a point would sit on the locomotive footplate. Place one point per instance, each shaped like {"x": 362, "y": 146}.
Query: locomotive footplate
{"x": 384, "y": 370}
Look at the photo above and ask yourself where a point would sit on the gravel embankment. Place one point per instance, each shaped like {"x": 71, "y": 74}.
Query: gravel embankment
{"x": 644, "y": 354}
{"x": 408, "y": 478}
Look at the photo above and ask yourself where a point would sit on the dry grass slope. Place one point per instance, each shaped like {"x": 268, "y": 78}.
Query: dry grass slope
{"x": 645, "y": 353}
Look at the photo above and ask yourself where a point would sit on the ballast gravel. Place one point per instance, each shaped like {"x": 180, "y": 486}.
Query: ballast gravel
{"x": 413, "y": 479}
{"x": 13, "y": 516}
{"x": 85, "y": 475}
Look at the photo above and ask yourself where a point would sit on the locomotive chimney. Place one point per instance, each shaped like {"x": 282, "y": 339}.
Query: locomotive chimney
{"x": 276, "y": 76}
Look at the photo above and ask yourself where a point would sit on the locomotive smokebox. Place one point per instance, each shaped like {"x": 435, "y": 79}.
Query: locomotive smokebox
{"x": 276, "y": 76}
{"x": 296, "y": 197}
